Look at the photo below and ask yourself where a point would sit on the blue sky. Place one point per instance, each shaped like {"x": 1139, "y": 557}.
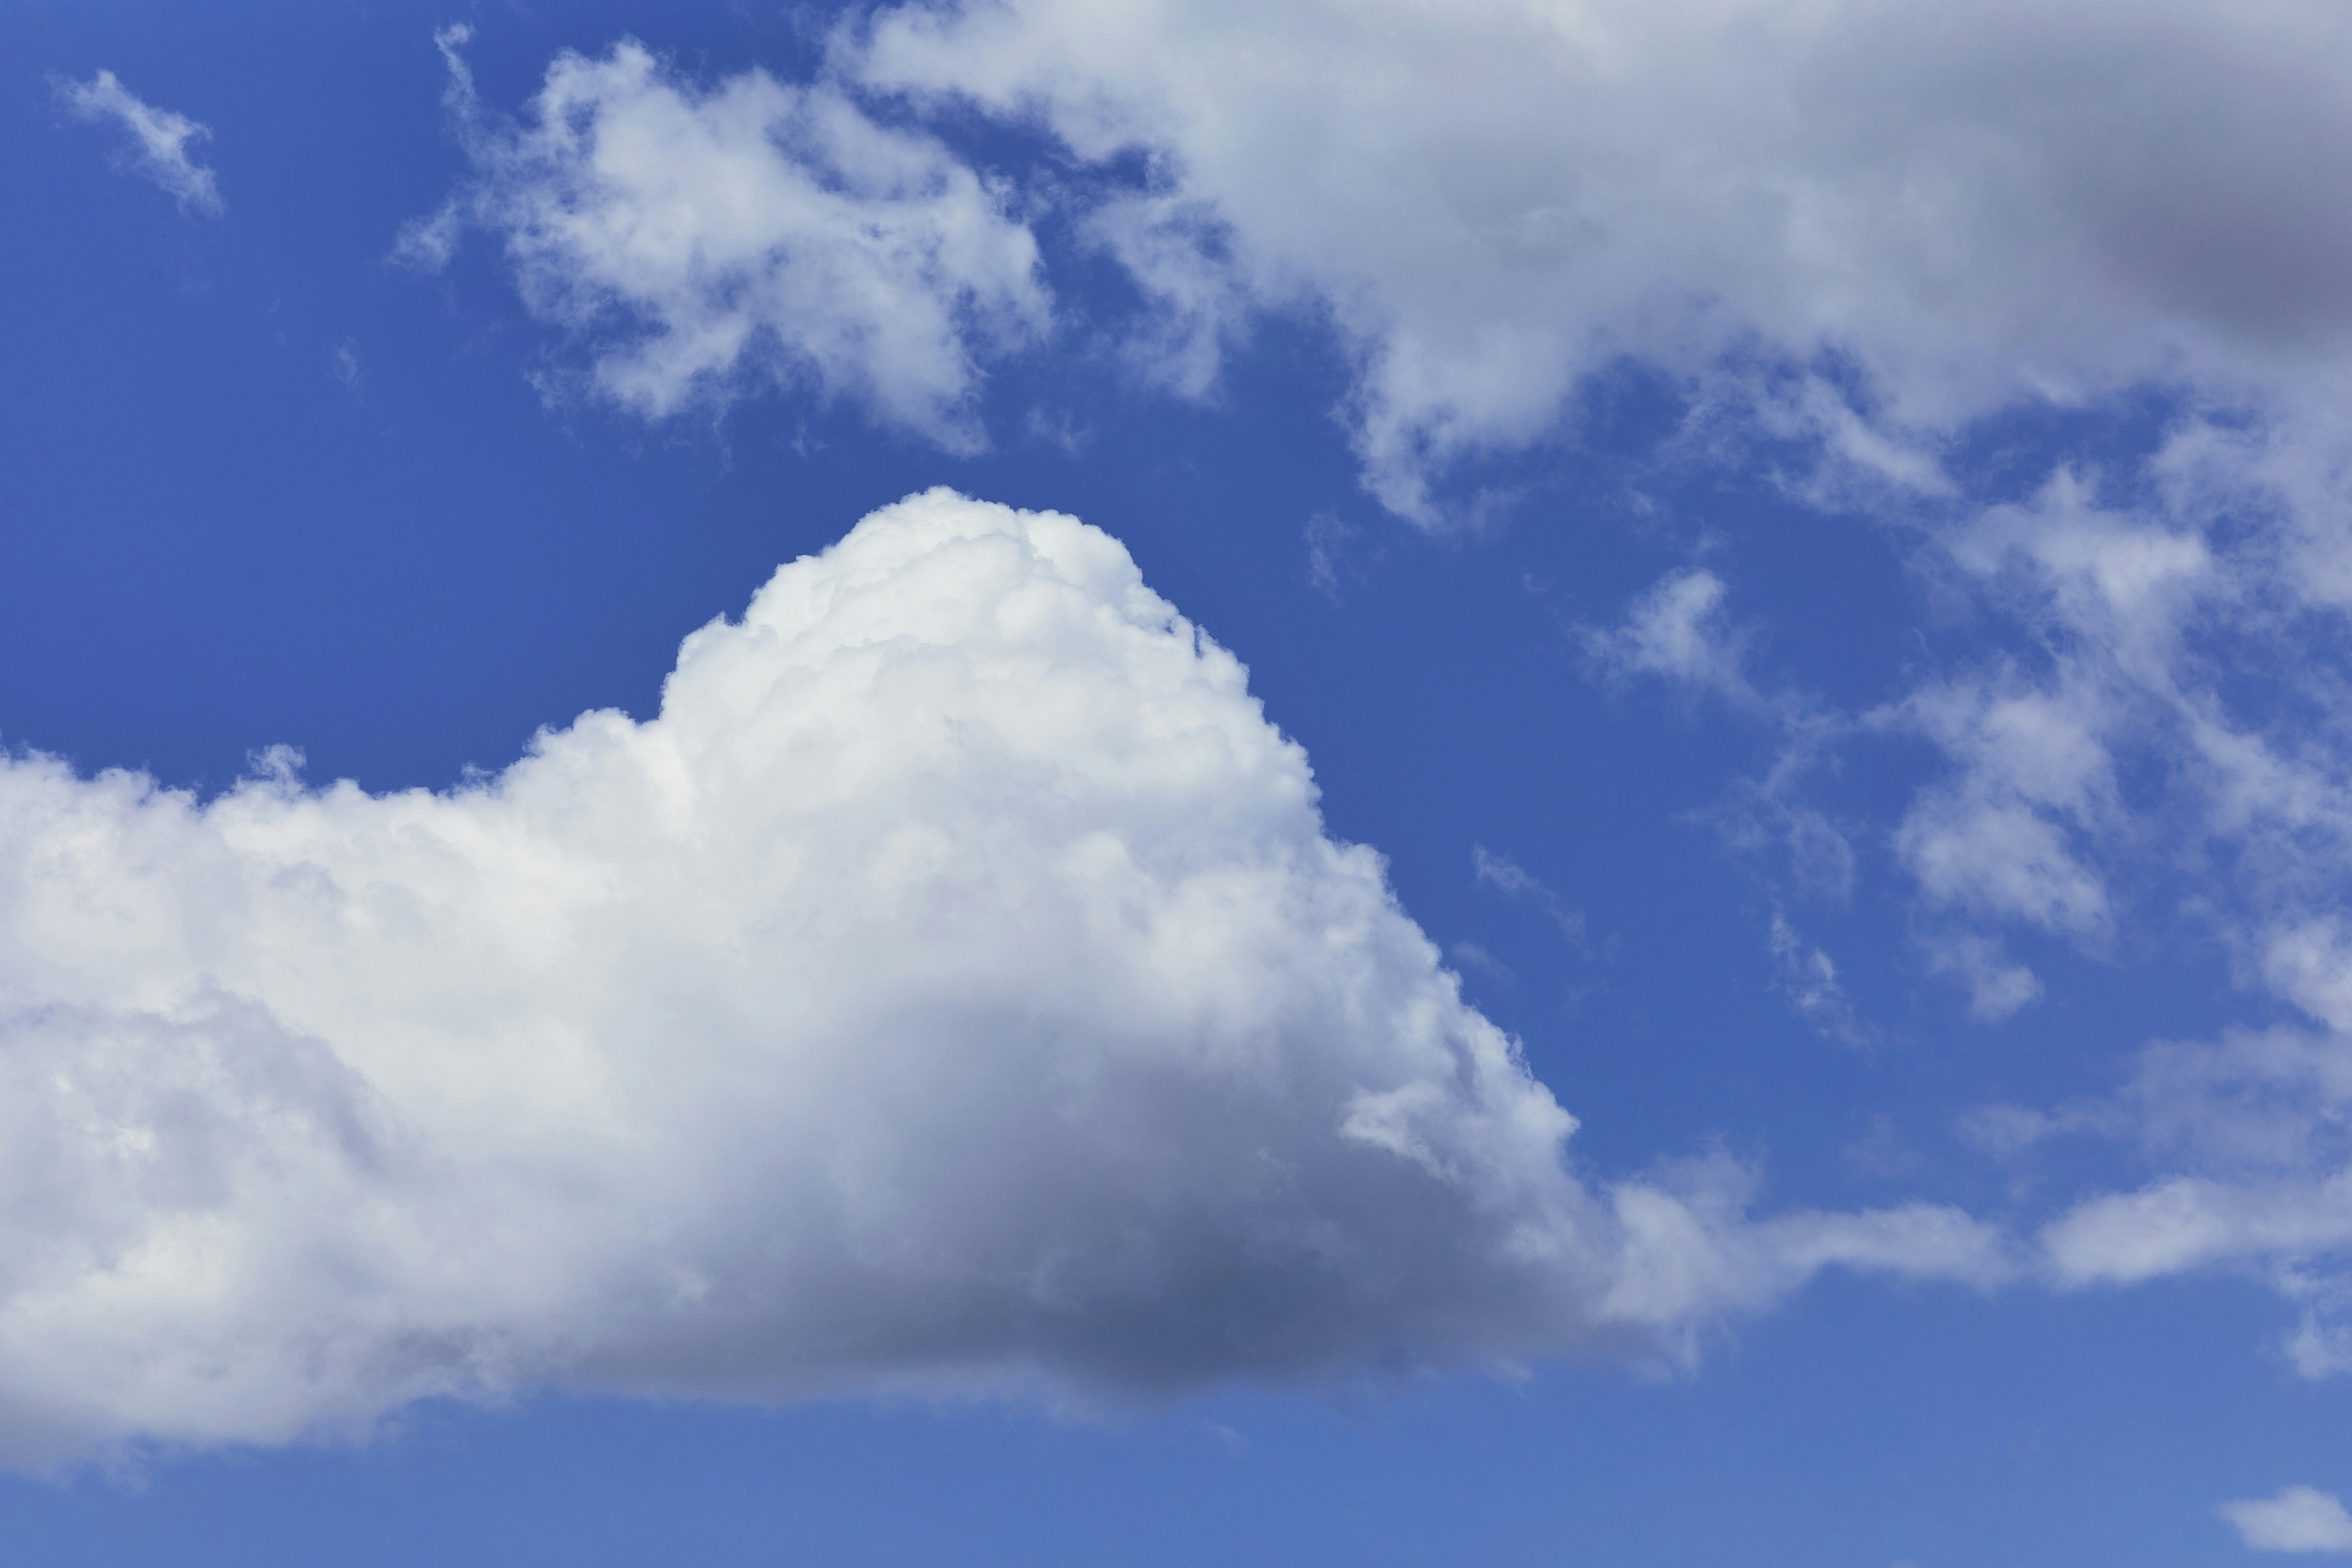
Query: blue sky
{"x": 1493, "y": 784}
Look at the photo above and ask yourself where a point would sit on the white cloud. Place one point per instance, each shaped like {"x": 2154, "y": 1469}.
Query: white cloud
{"x": 708, "y": 240}
{"x": 159, "y": 137}
{"x": 1862, "y": 231}
{"x": 2253, "y": 1135}
{"x": 1678, "y": 631}
{"x": 2299, "y": 1519}
{"x": 951, "y": 989}
{"x": 2002, "y": 858}
{"x": 2189, "y": 642}
{"x": 2186, "y": 1222}
{"x": 2296, "y": 1233}
{"x": 1692, "y": 1252}
{"x": 1490, "y": 200}
{"x": 1996, "y": 987}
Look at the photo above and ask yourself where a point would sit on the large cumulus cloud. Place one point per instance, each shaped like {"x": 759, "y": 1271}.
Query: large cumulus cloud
{"x": 953, "y": 988}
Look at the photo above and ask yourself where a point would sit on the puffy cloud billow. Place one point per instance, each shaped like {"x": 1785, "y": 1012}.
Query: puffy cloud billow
{"x": 706, "y": 241}
{"x": 952, "y": 990}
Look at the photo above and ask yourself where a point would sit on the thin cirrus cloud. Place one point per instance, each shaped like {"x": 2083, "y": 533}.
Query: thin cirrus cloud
{"x": 159, "y": 139}
{"x": 953, "y": 989}
{"x": 704, "y": 242}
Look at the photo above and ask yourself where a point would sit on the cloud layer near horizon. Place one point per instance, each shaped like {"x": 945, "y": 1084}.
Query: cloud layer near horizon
{"x": 952, "y": 989}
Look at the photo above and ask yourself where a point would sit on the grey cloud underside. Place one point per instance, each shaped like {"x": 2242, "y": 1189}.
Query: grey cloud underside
{"x": 951, "y": 989}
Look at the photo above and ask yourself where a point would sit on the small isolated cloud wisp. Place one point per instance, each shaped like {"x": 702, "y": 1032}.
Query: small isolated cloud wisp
{"x": 159, "y": 139}
{"x": 1809, "y": 979}
{"x": 1508, "y": 877}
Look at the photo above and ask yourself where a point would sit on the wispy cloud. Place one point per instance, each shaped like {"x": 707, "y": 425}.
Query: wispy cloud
{"x": 2251, "y": 1138}
{"x": 1998, "y": 987}
{"x": 1678, "y": 631}
{"x": 1327, "y": 552}
{"x": 1508, "y": 877}
{"x": 1470, "y": 955}
{"x": 1809, "y": 978}
{"x": 159, "y": 140}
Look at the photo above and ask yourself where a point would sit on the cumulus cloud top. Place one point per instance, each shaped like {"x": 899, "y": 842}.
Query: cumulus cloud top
{"x": 953, "y": 987}
{"x": 159, "y": 139}
{"x": 705, "y": 241}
